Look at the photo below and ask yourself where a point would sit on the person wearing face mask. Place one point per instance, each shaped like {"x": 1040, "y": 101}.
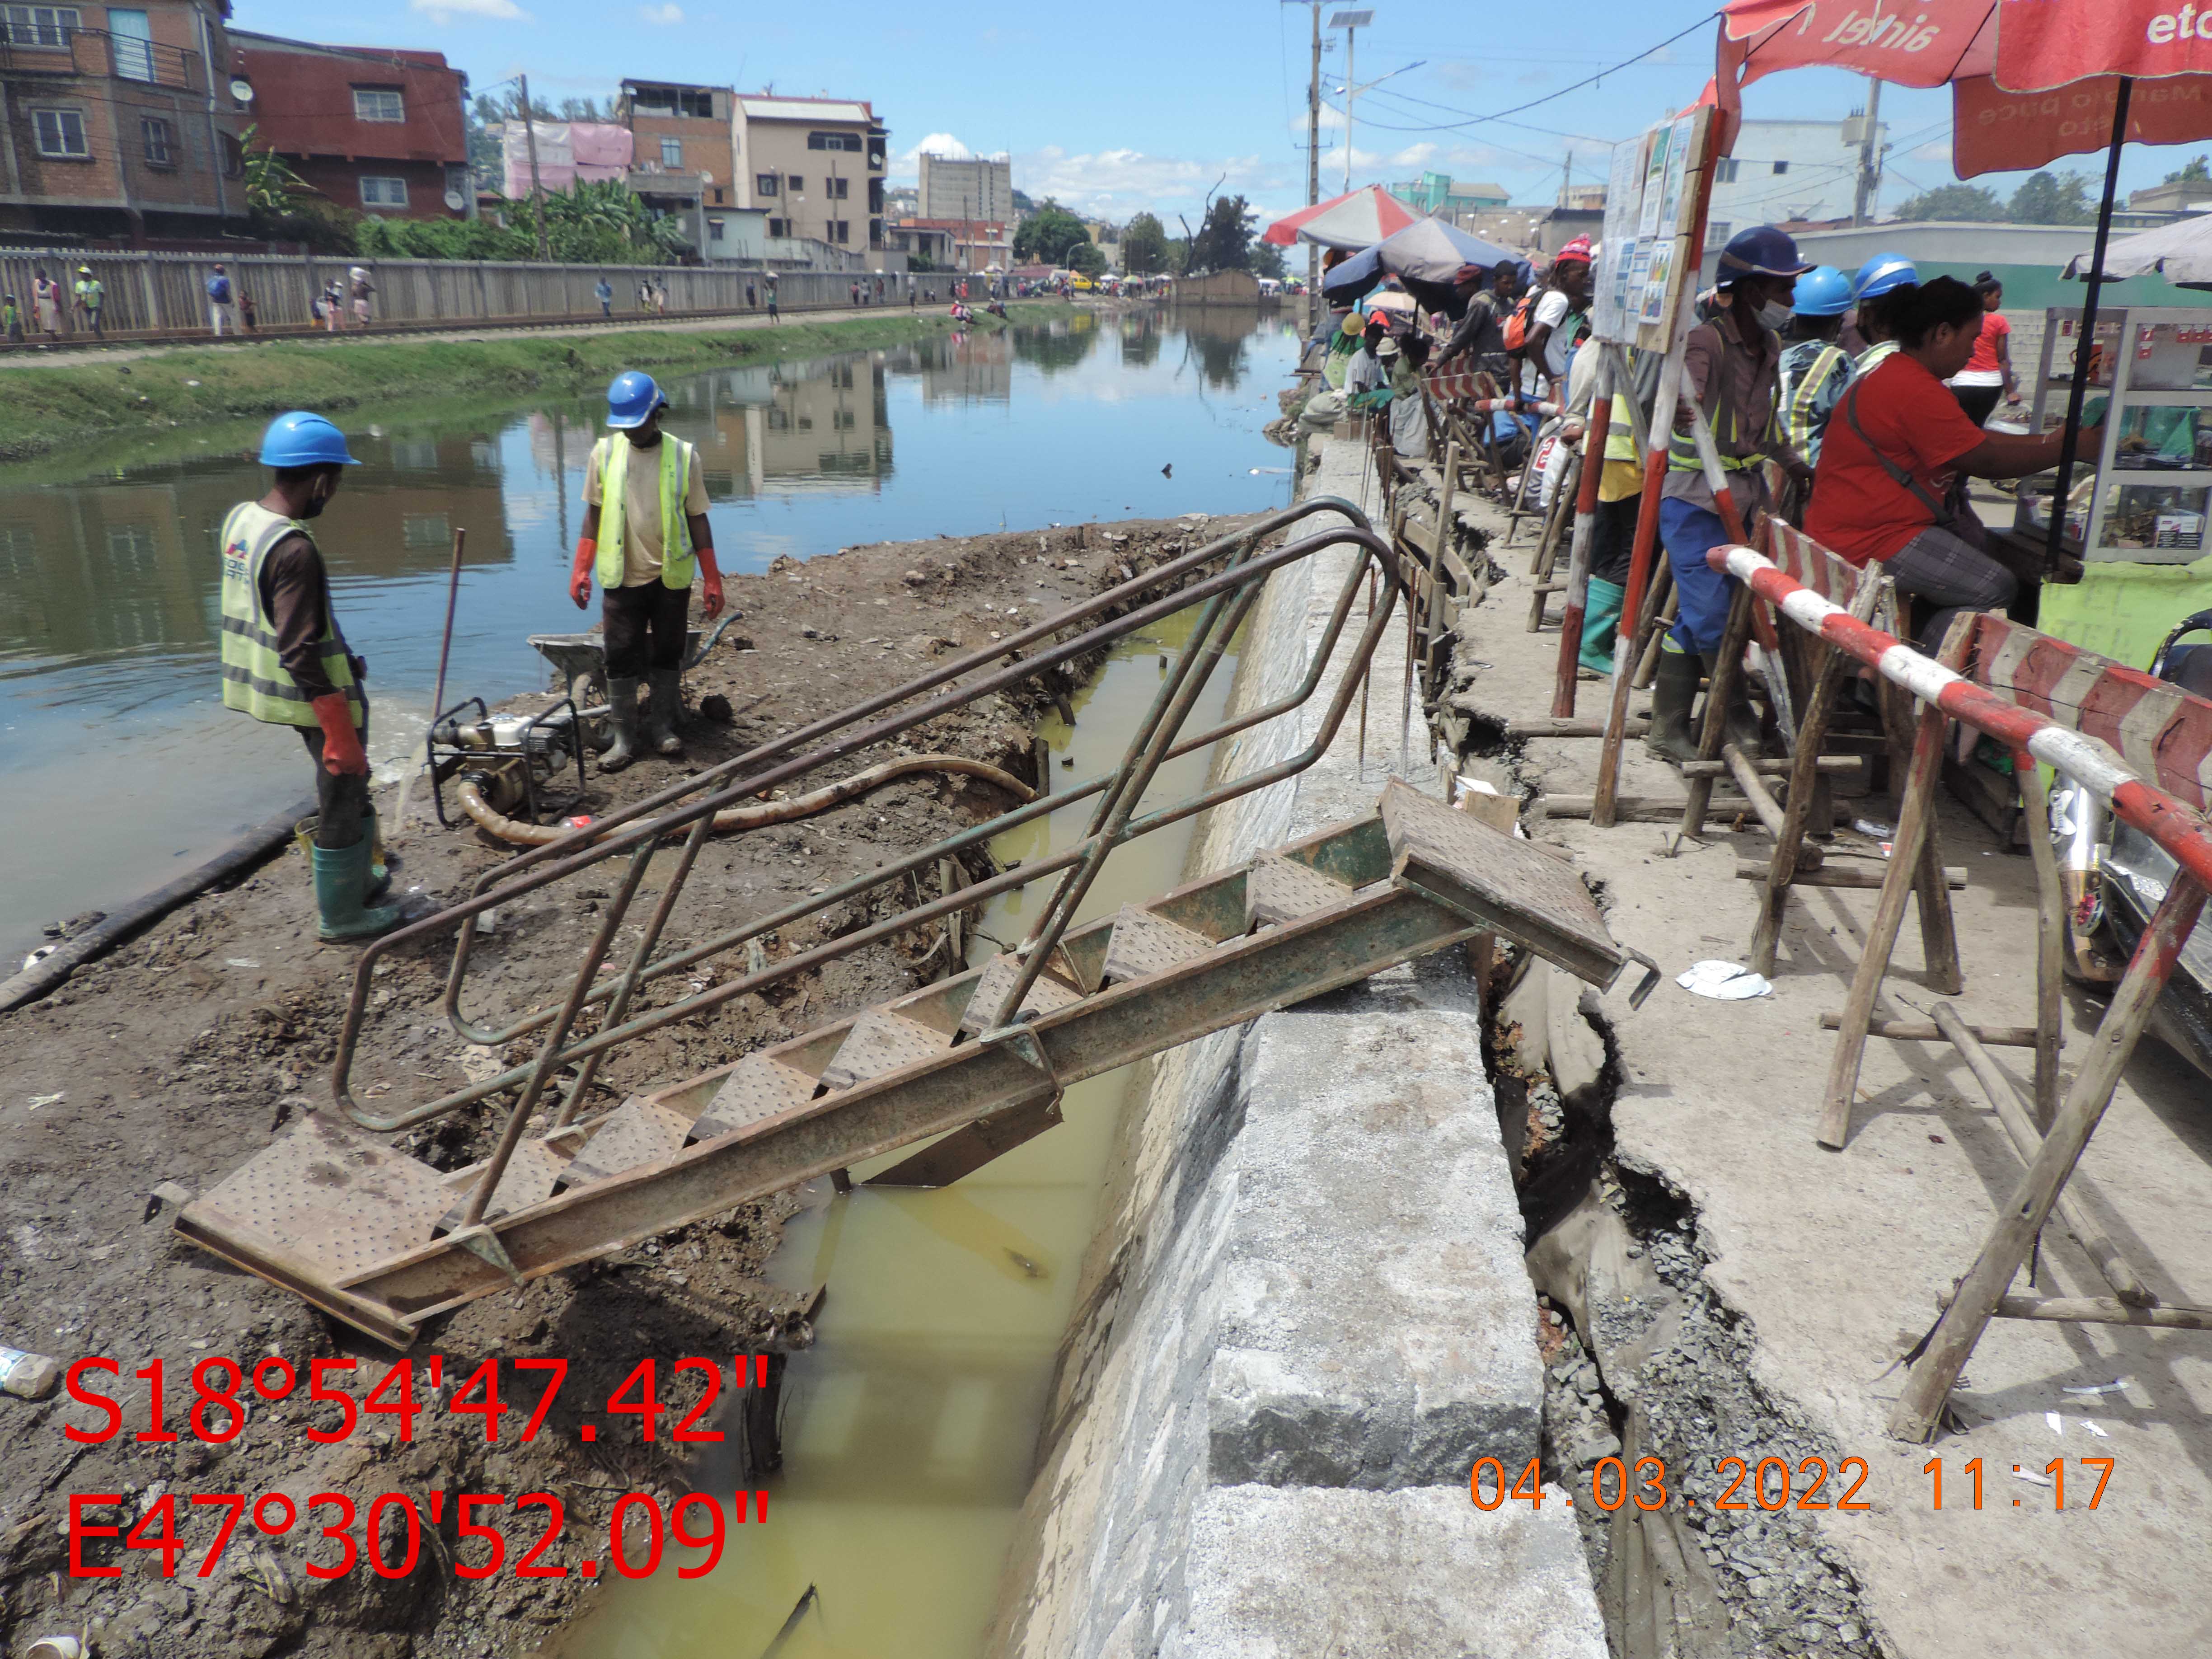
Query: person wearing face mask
{"x": 1897, "y": 449}
{"x": 1731, "y": 367}
{"x": 285, "y": 660}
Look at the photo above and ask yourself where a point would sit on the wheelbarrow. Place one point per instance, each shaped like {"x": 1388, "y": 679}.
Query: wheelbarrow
{"x": 580, "y": 663}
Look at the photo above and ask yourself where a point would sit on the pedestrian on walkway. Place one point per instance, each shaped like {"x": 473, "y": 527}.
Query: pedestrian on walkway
{"x": 333, "y": 306}
{"x": 1988, "y": 374}
{"x": 246, "y": 314}
{"x": 219, "y": 302}
{"x": 752, "y": 300}
{"x": 285, "y": 661}
{"x": 603, "y": 292}
{"x": 11, "y": 320}
{"x": 1731, "y": 367}
{"x": 360, "y": 288}
{"x": 89, "y": 296}
{"x": 645, "y": 535}
{"x": 47, "y": 303}
{"x": 772, "y": 314}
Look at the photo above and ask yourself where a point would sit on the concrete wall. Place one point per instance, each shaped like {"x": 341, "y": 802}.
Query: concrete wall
{"x": 1306, "y": 1313}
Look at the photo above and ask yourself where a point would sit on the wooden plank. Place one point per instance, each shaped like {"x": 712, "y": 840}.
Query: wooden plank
{"x": 1842, "y": 875}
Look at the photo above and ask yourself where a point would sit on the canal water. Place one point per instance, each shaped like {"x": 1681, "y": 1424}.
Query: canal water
{"x": 910, "y": 1427}
{"x": 123, "y": 769}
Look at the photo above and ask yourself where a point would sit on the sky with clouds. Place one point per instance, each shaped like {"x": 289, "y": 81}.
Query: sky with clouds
{"x": 1145, "y": 105}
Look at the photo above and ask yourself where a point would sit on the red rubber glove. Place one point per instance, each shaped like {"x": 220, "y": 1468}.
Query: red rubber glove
{"x": 342, "y": 755}
{"x": 580, "y": 573}
{"x": 711, "y": 594}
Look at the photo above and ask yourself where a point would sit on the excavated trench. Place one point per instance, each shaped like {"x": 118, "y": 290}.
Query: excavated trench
{"x": 1645, "y": 1361}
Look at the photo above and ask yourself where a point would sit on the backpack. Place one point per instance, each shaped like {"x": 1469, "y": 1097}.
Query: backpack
{"x": 1517, "y": 325}
{"x": 218, "y": 290}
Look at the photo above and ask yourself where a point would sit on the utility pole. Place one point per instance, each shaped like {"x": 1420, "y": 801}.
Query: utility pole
{"x": 1313, "y": 176}
{"x": 1869, "y": 157}
{"x": 1351, "y": 91}
{"x": 536, "y": 189}
{"x": 1567, "y": 177}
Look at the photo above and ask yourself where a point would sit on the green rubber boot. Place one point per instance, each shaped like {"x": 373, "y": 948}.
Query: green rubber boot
{"x": 380, "y": 873}
{"x": 1674, "y": 689}
{"x": 341, "y": 876}
{"x": 622, "y": 716}
{"x": 664, "y": 707}
{"x": 1600, "y": 625}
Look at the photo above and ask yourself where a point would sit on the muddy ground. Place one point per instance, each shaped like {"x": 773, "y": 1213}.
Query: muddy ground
{"x": 176, "y": 1058}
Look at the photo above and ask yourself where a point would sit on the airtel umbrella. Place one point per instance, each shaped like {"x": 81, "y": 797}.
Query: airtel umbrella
{"x": 2031, "y": 80}
{"x": 1365, "y": 217}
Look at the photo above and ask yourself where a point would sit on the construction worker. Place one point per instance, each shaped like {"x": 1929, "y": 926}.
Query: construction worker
{"x": 1814, "y": 368}
{"x": 89, "y": 296}
{"x": 1730, "y": 366}
{"x": 285, "y": 660}
{"x": 645, "y": 533}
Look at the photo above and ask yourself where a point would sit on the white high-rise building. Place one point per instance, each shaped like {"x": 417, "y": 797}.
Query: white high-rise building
{"x": 967, "y": 187}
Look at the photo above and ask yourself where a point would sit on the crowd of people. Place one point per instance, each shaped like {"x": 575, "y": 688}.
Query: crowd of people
{"x": 1855, "y": 406}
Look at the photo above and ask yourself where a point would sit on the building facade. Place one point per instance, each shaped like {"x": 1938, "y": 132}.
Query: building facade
{"x": 954, "y": 243}
{"x": 966, "y": 187}
{"x": 683, "y": 157}
{"x": 371, "y": 130}
{"x": 1787, "y": 170}
{"x": 816, "y": 165}
{"x": 116, "y": 122}
{"x": 1442, "y": 194}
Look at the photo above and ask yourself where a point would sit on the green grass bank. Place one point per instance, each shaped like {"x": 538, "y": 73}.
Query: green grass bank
{"x": 43, "y": 408}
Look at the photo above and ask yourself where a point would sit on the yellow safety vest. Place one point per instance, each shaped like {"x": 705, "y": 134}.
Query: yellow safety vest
{"x": 676, "y": 563}
{"x": 1725, "y": 419}
{"x": 254, "y": 679}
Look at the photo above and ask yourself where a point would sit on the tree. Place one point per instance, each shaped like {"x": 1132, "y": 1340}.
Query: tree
{"x": 272, "y": 186}
{"x": 2197, "y": 172}
{"x": 2053, "y": 198}
{"x": 1225, "y": 239}
{"x": 1086, "y": 259}
{"x": 1955, "y": 202}
{"x": 1143, "y": 246}
{"x": 583, "y": 109}
{"x": 1267, "y": 261}
{"x": 1046, "y": 235}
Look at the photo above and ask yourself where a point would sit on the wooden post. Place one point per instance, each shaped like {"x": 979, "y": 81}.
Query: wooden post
{"x": 1727, "y": 669}
{"x": 2050, "y": 937}
{"x": 1928, "y": 1388}
{"x": 1443, "y": 540}
{"x": 2004, "y": 1100}
{"x": 1766, "y": 934}
{"x": 1904, "y": 864}
{"x": 1594, "y": 438}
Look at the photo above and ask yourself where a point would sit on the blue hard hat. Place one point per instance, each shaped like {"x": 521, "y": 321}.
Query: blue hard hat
{"x": 632, "y": 397}
{"x": 1882, "y": 274}
{"x": 1823, "y": 291}
{"x": 302, "y": 438}
{"x": 1762, "y": 251}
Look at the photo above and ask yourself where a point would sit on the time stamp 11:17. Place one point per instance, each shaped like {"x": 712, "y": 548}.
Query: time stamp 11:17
{"x": 1776, "y": 1483}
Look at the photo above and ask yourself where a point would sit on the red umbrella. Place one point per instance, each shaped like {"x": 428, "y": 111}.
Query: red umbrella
{"x": 1357, "y": 220}
{"x": 2031, "y": 80}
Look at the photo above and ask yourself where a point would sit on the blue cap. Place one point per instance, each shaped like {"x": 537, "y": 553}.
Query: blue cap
{"x": 1882, "y": 274}
{"x": 1823, "y": 291}
{"x": 1762, "y": 251}
{"x": 632, "y": 397}
{"x": 302, "y": 438}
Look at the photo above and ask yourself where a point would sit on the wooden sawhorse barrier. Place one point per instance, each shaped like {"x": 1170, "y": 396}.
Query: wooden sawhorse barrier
{"x": 2055, "y": 704}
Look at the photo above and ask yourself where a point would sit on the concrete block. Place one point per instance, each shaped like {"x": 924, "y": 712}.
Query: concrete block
{"x": 1275, "y": 1574}
{"x": 1377, "y": 1318}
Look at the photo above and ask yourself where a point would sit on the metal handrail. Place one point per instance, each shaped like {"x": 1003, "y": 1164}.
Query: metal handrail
{"x": 1226, "y": 597}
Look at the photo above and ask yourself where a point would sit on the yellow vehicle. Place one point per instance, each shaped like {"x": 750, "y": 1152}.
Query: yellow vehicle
{"x": 1083, "y": 285}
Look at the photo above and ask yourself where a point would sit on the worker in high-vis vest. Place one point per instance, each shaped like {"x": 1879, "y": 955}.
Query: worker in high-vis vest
{"x": 1730, "y": 367}
{"x": 644, "y": 536}
{"x": 285, "y": 660}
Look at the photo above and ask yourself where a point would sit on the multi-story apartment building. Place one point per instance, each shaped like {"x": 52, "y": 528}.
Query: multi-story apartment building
{"x": 967, "y": 187}
{"x": 684, "y": 160}
{"x": 117, "y": 121}
{"x": 367, "y": 128}
{"x": 815, "y": 165}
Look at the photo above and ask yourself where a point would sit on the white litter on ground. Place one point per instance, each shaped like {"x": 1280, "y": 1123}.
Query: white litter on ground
{"x": 1723, "y": 981}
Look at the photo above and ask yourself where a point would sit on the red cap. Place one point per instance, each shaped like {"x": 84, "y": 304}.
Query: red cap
{"x": 1575, "y": 253}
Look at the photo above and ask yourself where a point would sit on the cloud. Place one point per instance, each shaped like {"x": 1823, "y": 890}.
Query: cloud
{"x": 1115, "y": 183}
{"x": 1415, "y": 155}
{"x": 666, "y": 16}
{"x": 442, "y": 12}
{"x": 940, "y": 144}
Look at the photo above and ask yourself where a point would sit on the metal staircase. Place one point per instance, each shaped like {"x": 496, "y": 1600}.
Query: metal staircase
{"x": 961, "y": 1070}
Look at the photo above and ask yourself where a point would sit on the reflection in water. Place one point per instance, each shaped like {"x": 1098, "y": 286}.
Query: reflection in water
{"x": 109, "y": 587}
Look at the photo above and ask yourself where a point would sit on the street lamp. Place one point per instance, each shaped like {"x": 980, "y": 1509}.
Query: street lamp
{"x": 1351, "y": 23}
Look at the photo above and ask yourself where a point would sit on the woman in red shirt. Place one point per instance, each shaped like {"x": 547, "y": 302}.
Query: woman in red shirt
{"x": 1897, "y": 447}
{"x": 1988, "y": 374}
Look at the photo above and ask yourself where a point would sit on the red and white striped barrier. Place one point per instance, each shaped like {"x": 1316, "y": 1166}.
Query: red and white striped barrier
{"x": 1804, "y": 561}
{"x": 2084, "y": 758}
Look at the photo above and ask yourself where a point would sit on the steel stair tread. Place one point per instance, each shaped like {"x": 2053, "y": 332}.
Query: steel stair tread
{"x": 337, "y": 1200}
{"x": 1279, "y": 890}
{"x": 1145, "y": 943}
{"x": 529, "y": 1178}
{"x": 757, "y": 1088}
{"x": 1049, "y": 993}
{"x": 636, "y": 1131}
{"x": 881, "y": 1041}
